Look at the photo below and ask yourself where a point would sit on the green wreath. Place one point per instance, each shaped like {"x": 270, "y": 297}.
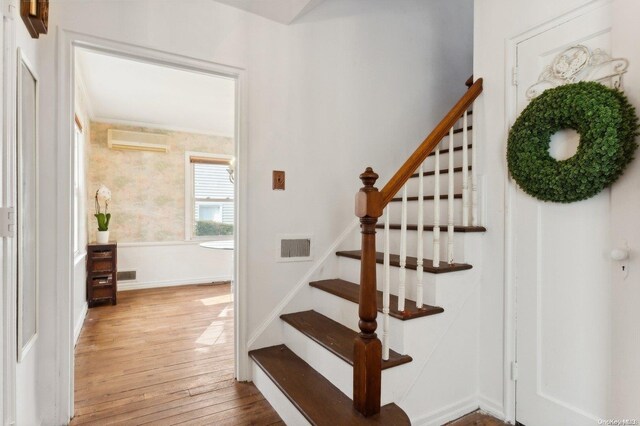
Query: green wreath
{"x": 607, "y": 125}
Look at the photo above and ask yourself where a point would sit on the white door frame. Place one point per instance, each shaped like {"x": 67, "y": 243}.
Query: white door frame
{"x": 8, "y": 296}
{"x": 510, "y": 325}
{"x": 67, "y": 42}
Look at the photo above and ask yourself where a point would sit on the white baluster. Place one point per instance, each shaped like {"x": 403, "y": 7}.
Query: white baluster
{"x": 450, "y": 199}
{"x": 420, "y": 251}
{"x": 403, "y": 251}
{"x": 465, "y": 172}
{"x": 385, "y": 288}
{"x": 474, "y": 179}
{"x": 436, "y": 209}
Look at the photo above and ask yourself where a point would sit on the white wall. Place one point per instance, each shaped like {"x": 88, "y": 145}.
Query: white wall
{"x": 177, "y": 263}
{"x": 349, "y": 85}
{"x": 497, "y": 21}
{"x": 365, "y": 85}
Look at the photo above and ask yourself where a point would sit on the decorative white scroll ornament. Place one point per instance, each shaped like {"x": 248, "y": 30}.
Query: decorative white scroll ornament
{"x": 579, "y": 63}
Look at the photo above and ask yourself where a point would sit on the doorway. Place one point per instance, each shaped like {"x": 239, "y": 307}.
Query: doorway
{"x": 561, "y": 271}
{"x": 163, "y": 139}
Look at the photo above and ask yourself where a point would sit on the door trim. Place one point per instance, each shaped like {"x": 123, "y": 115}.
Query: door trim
{"x": 8, "y": 294}
{"x": 67, "y": 42}
{"x": 510, "y": 313}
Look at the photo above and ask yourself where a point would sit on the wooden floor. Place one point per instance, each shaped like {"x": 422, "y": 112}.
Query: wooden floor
{"x": 477, "y": 419}
{"x": 164, "y": 357}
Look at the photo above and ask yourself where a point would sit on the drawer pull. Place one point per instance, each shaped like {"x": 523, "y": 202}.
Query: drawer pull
{"x": 101, "y": 282}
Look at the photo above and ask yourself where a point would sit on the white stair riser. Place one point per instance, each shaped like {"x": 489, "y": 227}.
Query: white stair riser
{"x": 429, "y": 182}
{"x": 457, "y": 137}
{"x": 427, "y": 241}
{"x": 286, "y": 410}
{"x": 346, "y": 313}
{"x": 429, "y": 163}
{"x": 412, "y": 212}
{"x": 337, "y": 371}
{"x": 434, "y": 285}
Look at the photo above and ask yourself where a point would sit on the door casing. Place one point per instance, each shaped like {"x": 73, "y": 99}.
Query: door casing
{"x": 67, "y": 42}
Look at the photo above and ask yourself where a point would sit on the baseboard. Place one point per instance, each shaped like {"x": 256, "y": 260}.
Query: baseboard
{"x": 491, "y": 407}
{"x": 447, "y": 414}
{"x": 304, "y": 282}
{"x": 135, "y": 285}
{"x": 79, "y": 323}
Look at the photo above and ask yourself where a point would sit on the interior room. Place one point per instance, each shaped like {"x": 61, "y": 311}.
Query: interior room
{"x": 320, "y": 212}
{"x": 154, "y": 153}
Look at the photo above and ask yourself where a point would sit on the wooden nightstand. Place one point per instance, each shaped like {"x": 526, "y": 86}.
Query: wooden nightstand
{"x": 102, "y": 267}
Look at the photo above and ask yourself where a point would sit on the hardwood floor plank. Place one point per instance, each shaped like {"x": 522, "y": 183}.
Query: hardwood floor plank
{"x": 164, "y": 356}
{"x": 477, "y": 418}
{"x": 252, "y": 415}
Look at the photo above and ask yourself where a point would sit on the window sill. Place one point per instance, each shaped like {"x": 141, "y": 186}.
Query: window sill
{"x": 199, "y": 240}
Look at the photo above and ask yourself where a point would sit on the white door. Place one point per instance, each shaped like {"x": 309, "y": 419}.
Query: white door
{"x": 562, "y": 270}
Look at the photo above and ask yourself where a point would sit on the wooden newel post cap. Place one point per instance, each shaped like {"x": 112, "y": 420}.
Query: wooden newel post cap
{"x": 368, "y": 178}
{"x": 368, "y": 200}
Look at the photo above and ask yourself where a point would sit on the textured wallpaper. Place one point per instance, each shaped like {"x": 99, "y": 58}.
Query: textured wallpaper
{"x": 147, "y": 187}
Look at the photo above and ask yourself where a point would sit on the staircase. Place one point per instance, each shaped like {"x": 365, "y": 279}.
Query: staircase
{"x": 333, "y": 369}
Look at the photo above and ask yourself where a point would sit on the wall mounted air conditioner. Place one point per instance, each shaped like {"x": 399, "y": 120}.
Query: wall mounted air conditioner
{"x": 137, "y": 141}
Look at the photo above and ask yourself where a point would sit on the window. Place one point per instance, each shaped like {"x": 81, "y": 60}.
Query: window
{"x": 211, "y": 205}
{"x": 78, "y": 190}
{"x": 207, "y": 211}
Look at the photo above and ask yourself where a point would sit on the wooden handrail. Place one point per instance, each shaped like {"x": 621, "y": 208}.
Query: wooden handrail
{"x": 469, "y": 81}
{"x": 401, "y": 177}
{"x": 370, "y": 203}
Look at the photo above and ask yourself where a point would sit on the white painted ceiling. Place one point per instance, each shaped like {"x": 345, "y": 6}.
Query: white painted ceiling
{"x": 127, "y": 91}
{"x": 283, "y": 11}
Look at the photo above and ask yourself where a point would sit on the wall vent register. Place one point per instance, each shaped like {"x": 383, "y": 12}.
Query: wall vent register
{"x": 126, "y": 275}
{"x": 291, "y": 248}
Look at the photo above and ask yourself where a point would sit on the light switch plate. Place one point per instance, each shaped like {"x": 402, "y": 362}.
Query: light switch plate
{"x": 278, "y": 180}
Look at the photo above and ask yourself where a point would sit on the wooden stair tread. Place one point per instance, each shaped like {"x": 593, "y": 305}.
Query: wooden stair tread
{"x": 334, "y": 337}
{"x": 442, "y": 172}
{"x": 426, "y": 198}
{"x": 444, "y": 151}
{"x": 429, "y": 228}
{"x": 351, "y": 292}
{"x": 319, "y": 401}
{"x": 394, "y": 260}
{"x": 456, "y": 131}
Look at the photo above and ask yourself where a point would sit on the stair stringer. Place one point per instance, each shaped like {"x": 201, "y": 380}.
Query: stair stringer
{"x": 444, "y": 378}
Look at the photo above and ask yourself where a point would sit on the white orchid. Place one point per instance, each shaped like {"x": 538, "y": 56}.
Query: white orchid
{"x": 103, "y": 193}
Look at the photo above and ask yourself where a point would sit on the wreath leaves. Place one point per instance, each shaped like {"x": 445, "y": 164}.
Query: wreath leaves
{"x": 607, "y": 124}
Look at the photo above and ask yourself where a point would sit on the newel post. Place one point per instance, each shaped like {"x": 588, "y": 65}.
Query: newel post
{"x": 367, "y": 361}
